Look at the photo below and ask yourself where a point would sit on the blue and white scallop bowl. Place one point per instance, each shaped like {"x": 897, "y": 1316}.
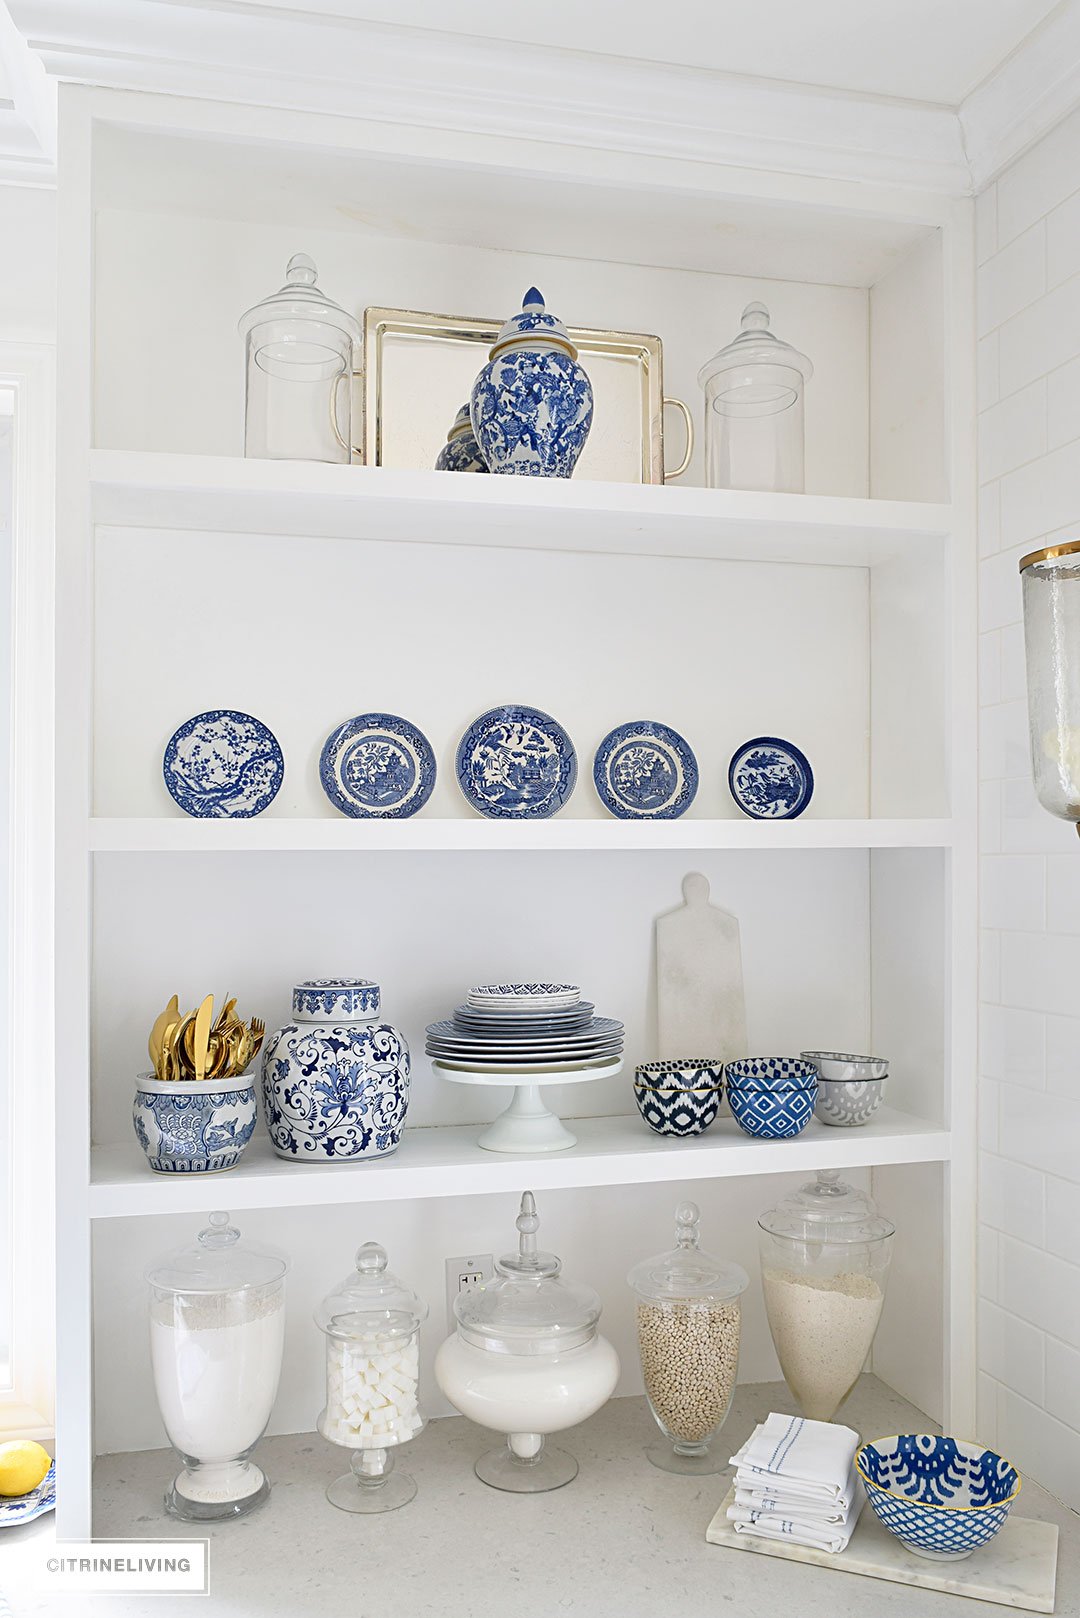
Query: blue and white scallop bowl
{"x": 941, "y": 1497}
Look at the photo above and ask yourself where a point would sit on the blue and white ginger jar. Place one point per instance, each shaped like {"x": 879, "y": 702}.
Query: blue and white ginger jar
{"x": 335, "y": 1080}
{"x": 461, "y": 452}
{"x": 532, "y": 404}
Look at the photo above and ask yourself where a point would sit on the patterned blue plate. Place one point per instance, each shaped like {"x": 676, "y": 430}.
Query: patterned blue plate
{"x": 645, "y": 771}
{"x": 25, "y": 1507}
{"x": 377, "y": 767}
{"x": 516, "y": 763}
{"x": 223, "y": 765}
{"x": 770, "y": 779}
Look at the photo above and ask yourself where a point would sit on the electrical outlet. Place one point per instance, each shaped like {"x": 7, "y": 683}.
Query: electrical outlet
{"x": 463, "y": 1273}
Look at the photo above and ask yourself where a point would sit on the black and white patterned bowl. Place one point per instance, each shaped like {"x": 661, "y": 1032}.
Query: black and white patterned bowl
{"x": 677, "y": 1111}
{"x": 686, "y": 1073}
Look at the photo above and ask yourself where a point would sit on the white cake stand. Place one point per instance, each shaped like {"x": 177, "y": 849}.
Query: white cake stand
{"x": 528, "y": 1124}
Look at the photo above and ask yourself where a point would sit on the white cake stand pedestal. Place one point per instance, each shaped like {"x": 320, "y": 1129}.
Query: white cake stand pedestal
{"x": 528, "y": 1124}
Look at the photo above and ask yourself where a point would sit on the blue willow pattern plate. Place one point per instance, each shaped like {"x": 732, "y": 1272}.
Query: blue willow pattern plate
{"x": 377, "y": 766}
{"x": 223, "y": 765}
{"x": 770, "y": 779}
{"x": 645, "y": 771}
{"x": 516, "y": 763}
{"x": 25, "y": 1507}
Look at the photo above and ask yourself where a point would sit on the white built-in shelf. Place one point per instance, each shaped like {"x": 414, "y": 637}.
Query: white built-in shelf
{"x": 222, "y": 494}
{"x": 437, "y": 1162}
{"x": 164, "y": 835}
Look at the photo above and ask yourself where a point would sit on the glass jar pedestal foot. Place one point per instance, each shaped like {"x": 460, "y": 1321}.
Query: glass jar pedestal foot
{"x": 216, "y": 1490}
{"x": 527, "y": 1125}
{"x": 688, "y": 1460}
{"x": 525, "y": 1464}
{"x": 371, "y": 1484}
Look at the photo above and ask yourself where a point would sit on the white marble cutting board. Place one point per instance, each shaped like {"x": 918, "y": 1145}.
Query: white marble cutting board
{"x": 700, "y": 1009}
{"x": 1016, "y": 1569}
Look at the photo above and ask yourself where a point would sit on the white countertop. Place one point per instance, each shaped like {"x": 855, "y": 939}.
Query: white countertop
{"x": 623, "y": 1539}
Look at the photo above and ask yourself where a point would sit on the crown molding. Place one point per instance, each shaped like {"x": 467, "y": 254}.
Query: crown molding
{"x": 293, "y": 56}
{"x": 27, "y": 113}
{"x": 1022, "y": 100}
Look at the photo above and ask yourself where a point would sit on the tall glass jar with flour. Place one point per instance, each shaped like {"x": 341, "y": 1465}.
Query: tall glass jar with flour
{"x": 825, "y": 1254}
{"x": 217, "y": 1331}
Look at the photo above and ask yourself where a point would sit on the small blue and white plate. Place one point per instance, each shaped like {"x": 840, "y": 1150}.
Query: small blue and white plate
{"x": 645, "y": 771}
{"x": 770, "y": 779}
{"x": 25, "y": 1507}
{"x": 516, "y": 763}
{"x": 223, "y": 765}
{"x": 377, "y": 767}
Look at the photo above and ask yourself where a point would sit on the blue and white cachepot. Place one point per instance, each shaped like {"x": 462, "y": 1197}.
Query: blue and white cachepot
{"x": 335, "y": 1080}
{"x": 189, "y": 1127}
{"x": 532, "y": 404}
{"x": 461, "y": 452}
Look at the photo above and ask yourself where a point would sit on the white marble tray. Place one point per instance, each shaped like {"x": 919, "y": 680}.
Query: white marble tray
{"x": 1016, "y": 1569}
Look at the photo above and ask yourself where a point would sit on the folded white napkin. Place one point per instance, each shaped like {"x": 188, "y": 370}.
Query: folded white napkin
{"x": 821, "y": 1536}
{"x": 810, "y": 1459}
{"x": 780, "y": 1500}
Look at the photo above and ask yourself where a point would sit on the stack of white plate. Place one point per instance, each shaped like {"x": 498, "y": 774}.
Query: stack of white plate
{"x": 503, "y": 1027}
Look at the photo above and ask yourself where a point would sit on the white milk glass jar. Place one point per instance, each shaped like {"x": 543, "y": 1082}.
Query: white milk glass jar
{"x": 299, "y": 369}
{"x": 527, "y": 1360}
{"x": 754, "y": 410}
{"x": 217, "y": 1331}
{"x": 825, "y": 1254}
{"x": 689, "y": 1318}
{"x": 372, "y": 1323}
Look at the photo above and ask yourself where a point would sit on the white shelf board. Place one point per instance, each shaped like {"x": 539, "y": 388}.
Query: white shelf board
{"x": 222, "y": 494}
{"x": 167, "y": 835}
{"x": 447, "y": 1161}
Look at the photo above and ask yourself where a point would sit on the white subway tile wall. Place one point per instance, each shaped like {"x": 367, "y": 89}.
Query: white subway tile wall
{"x": 1028, "y": 1394}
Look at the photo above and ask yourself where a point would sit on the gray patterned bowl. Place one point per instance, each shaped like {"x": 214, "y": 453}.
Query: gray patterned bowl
{"x": 839, "y": 1068}
{"x": 850, "y": 1088}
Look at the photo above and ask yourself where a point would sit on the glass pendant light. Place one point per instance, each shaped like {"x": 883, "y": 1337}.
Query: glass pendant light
{"x": 1051, "y": 584}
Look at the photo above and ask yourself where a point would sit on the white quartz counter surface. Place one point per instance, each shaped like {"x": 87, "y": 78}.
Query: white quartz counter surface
{"x": 623, "y": 1539}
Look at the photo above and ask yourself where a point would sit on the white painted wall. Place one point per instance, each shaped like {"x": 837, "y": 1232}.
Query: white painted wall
{"x": 27, "y": 264}
{"x": 1029, "y": 474}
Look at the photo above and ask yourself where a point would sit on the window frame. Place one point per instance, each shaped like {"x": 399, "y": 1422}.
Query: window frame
{"x": 27, "y": 1406}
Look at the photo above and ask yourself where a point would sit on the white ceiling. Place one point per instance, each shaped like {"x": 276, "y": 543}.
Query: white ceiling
{"x": 918, "y": 50}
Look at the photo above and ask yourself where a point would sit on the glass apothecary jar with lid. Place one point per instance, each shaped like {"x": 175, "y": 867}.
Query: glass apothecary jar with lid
{"x": 1051, "y": 586}
{"x": 217, "y": 1331}
{"x": 299, "y": 347}
{"x": 825, "y": 1255}
{"x": 754, "y": 410}
{"x": 689, "y": 1319}
{"x": 528, "y": 1360}
{"x": 372, "y": 1324}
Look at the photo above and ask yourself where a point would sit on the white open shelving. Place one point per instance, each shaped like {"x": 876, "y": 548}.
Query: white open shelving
{"x": 190, "y": 578}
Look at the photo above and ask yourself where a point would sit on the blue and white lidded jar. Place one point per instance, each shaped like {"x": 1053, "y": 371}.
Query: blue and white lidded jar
{"x": 335, "y": 1080}
{"x": 532, "y": 404}
{"x": 461, "y": 452}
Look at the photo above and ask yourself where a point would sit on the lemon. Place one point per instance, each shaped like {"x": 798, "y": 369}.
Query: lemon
{"x": 23, "y": 1464}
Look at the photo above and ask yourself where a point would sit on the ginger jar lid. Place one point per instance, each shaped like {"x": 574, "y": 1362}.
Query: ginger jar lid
{"x": 534, "y": 327}
{"x": 462, "y": 423}
{"x": 218, "y": 1261}
{"x": 336, "y": 1000}
{"x": 370, "y": 1300}
{"x": 685, "y": 1272}
{"x": 528, "y": 1309}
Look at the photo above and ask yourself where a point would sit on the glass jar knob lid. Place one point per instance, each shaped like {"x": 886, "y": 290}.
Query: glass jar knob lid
{"x": 756, "y": 344}
{"x": 827, "y": 1209}
{"x": 300, "y": 298}
{"x": 217, "y": 1261}
{"x": 370, "y": 1298}
{"x": 685, "y": 1271}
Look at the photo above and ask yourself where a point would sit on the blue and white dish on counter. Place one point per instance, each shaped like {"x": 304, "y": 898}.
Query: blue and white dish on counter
{"x": 25, "y": 1507}
{"x": 516, "y": 763}
{"x": 645, "y": 771}
{"x": 940, "y": 1496}
{"x": 223, "y": 764}
{"x": 189, "y": 1127}
{"x": 777, "y": 1114}
{"x": 377, "y": 767}
{"x": 335, "y": 1087}
{"x": 461, "y": 452}
{"x": 770, "y": 779}
{"x": 532, "y": 404}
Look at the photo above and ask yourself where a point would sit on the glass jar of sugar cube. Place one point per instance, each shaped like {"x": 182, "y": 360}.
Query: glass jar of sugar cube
{"x": 372, "y": 1324}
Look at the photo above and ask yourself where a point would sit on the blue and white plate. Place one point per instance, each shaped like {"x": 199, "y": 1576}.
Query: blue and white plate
{"x": 223, "y": 765}
{"x": 25, "y": 1507}
{"x": 770, "y": 779}
{"x": 377, "y": 767}
{"x": 645, "y": 771}
{"x": 516, "y": 763}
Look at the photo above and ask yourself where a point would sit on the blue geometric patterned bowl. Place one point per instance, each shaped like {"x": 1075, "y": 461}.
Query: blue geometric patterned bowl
{"x": 773, "y": 1114}
{"x": 677, "y": 1111}
{"x": 771, "y": 1073}
{"x": 941, "y": 1497}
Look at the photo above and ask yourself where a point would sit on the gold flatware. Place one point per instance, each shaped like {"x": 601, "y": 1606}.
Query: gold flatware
{"x": 201, "y": 1037}
{"x": 161, "y": 1022}
{"x": 225, "y": 1014}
